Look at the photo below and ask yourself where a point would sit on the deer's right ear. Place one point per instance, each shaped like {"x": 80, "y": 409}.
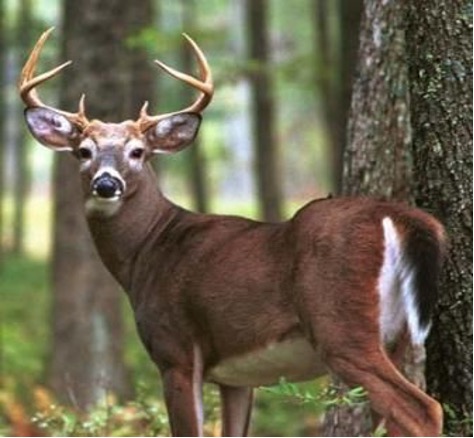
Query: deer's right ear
{"x": 173, "y": 133}
{"x": 51, "y": 128}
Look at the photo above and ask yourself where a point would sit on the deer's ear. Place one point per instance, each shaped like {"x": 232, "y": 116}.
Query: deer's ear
{"x": 173, "y": 133}
{"x": 51, "y": 128}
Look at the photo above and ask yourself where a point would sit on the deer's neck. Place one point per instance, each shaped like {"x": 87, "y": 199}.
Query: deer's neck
{"x": 118, "y": 238}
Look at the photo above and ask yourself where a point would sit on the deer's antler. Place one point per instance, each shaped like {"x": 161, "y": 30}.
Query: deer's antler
{"x": 204, "y": 85}
{"x": 28, "y": 83}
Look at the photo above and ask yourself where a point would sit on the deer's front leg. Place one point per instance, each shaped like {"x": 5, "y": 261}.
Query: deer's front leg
{"x": 183, "y": 397}
{"x": 236, "y": 409}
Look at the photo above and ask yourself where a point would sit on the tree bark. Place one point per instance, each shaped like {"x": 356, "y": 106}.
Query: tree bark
{"x": 440, "y": 71}
{"x": 263, "y": 111}
{"x": 87, "y": 357}
{"x": 376, "y": 160}
{"x": 379, "y": 134}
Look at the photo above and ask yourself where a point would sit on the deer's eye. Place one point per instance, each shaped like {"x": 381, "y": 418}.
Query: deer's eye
{"x": 137, "y": 153}
{"x": 84, "y": 153}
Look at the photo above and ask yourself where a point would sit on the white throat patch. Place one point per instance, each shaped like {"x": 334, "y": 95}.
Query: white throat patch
{"x": 106, "y": 207}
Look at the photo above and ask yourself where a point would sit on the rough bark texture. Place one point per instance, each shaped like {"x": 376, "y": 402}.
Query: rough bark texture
{"x": 86, "y": 358}
{"x": 440, "y": 71}
{"x": 263, "y": 111}
{"x": 376, "y": 160}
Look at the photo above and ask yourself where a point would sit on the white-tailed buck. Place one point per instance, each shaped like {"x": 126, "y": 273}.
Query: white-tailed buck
{"x": 242, "y": 303}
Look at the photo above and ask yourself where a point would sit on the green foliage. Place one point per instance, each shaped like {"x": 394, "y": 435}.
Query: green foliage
{"x": 455, "y": 424}
{"x": 321, "y": 398}
{"x": 24, "y": 320}
{"x": 142, "y": 417}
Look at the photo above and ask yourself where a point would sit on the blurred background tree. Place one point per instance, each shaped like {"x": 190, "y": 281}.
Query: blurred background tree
{"x": 276, "y": 136}
{"x": 3, "y": 58}
{"x": 87, "y": 337}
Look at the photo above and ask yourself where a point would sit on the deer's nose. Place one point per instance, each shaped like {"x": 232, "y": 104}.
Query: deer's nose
{"x": 107, "y": 186}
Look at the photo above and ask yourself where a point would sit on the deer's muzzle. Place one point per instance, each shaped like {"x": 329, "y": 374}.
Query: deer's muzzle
{"x": 107, "y": 186}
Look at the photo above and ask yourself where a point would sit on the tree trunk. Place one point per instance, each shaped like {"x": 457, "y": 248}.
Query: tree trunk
{"x": 335, "y": 72}
{"x": 22, "y": 171}
{"x": 350, "y": 13}
{"x": 376, "y": 158}
{"x": 263, "y": 112}
{"x": 440, "y": 71}
{"x": 144, "y": 78}
{"x": 196, "y": 160}
{"x": 141, "y": 75}
{"x": 87, "y": 357}
{"x": 3, "y": 102}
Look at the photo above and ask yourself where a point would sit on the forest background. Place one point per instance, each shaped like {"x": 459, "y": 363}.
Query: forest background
{"x": 314, "y": 97}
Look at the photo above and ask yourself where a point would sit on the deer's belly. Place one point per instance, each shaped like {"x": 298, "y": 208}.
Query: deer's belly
{"x": 292, "y": 359}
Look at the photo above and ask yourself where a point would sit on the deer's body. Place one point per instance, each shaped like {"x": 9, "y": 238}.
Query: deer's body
{"x": 249, "y": 302}
{"x": 242, "y": 303}
{"x": 235, "y": 288}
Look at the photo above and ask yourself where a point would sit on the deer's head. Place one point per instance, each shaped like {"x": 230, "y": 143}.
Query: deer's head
{"x": 112, "y": 155}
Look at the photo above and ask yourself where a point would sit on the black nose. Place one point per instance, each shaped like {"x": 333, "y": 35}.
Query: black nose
{"x": 106, "y": 186}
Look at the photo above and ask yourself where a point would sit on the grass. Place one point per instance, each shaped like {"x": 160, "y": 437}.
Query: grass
{"x": 25, "y": 319}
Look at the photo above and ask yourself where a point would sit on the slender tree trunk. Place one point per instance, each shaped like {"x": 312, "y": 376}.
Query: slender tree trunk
{"x": 350, "y": 12}
{"x": 3, "y": 102}
{"x": 440, "y": 70}
{"x": 144, "y": 80}
{"x": 197, "y": 162}
{"x": 141, "y": 75}
{"x": 263, "y": 111}
{"x": 328, "y": 80}
{"x": 336, "y": 66}
{"x": 376, "y": 158}
{"x": 22, "y": 171}
{"x": 87, "y": 357}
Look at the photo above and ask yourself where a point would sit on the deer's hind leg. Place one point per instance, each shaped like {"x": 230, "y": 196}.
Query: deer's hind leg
{"x": 408, "y": 411}
{"x": 346, "y": 329}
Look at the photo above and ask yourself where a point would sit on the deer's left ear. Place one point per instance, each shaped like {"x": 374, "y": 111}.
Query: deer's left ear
{"x": 173, "y": 133}
{"x": 50, "y": 128}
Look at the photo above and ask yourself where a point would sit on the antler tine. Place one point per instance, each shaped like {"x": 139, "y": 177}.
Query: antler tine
{"x": 27, "y": 86}
{"x": 204, "y": 85}
{"x": 28, "y": 82}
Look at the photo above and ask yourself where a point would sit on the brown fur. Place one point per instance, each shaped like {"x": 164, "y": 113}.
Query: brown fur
{"x": 231, "y": 285}
{"x": 206, "y": 288}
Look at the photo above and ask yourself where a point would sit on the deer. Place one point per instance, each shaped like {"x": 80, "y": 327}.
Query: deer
{"x": 241, "y": 303}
